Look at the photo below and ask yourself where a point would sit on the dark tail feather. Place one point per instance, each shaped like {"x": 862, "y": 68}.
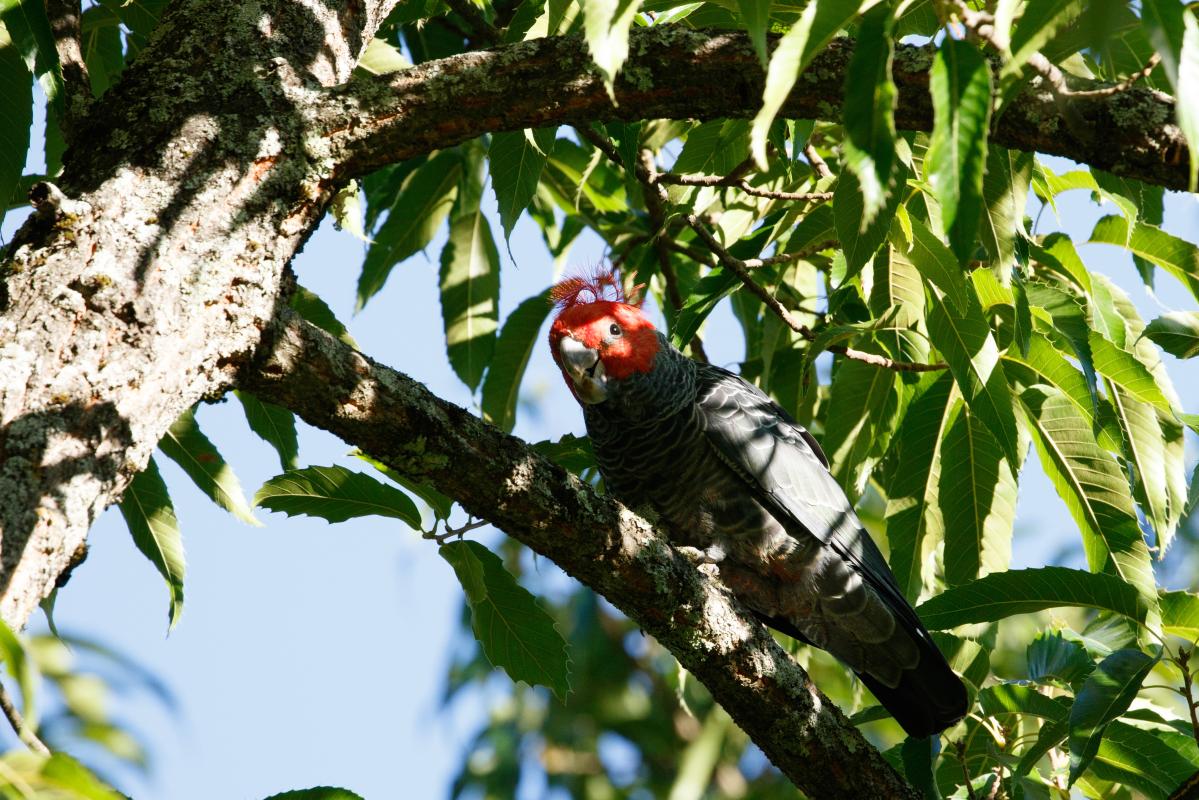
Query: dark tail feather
{"x": 929, "y": 698}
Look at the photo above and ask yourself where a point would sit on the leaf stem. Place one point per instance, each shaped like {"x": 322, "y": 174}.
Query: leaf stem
{"x": 23, "y": 731}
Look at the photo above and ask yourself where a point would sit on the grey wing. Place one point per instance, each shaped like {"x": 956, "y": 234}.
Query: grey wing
{"x": 784, "y": 465}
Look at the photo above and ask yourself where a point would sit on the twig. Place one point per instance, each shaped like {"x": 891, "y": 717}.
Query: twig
{"x": 738, "y": 268}
{"x": 23, "y": 731}
{"x": 450, "y": 533}
{"x": 696, "y": 179}
{"x": 1123, "y": 85}
{"x": 474, "y": 19}
{"x": 64, "y": 16}
{"x": 818, "y": 165}
{"x": 959, "y": 747}
{"x": 1188, "y": 689}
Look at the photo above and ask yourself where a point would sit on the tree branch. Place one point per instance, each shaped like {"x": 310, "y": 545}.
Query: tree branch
{"x": 64, "y": 17}
{"x": 678, "y": 73}
{"x": 496, "y": 477}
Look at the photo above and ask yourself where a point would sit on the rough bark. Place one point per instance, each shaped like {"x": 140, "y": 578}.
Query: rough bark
{"x": 496, "y": 477}
{"x": 674, "y": 72}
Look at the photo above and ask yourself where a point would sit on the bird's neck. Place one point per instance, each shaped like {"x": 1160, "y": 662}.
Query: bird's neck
{"x": 643, "y": 397}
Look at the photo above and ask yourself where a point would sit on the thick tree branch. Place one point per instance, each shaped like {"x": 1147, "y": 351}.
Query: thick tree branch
{"x": 618, "y": 554}
{"x": 64, "y": 17}
{"x": 675, "y": 72}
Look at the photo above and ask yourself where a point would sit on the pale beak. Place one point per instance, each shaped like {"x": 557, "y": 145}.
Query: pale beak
{"x": 585, "y": 369}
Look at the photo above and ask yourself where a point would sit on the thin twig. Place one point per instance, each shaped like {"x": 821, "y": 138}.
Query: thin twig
{"x": 959, "y": 748}
{"x": 23, "y": 731}
{"x": 738, "y": 268}
{"x": 818, "y": 165}
{"x": 1188, "y": 687}
{"x": 697, "y": 179}
{"x": 64, "y": 16}
{"x": 1124, "y": 85}
{"x": 450, "y": 533}
{"x": 474, "y": 19}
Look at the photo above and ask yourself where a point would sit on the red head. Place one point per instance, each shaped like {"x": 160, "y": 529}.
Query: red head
{"x": 594, "y": 339}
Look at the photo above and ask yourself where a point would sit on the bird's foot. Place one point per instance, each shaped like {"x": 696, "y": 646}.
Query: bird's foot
{"x": 712, "y": 554}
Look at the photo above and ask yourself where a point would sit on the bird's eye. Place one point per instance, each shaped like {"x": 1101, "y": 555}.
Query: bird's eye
{"x": 614, "y": 329}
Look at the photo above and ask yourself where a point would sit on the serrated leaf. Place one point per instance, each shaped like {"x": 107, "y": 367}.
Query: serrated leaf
{"x": 24, "y": 672}
{"x": 755, "y": 14}
{"x": 437, "y": 502}
{"x": 1094, "y": 489}
{"x": 1187, "y": 90}
{"x": 470, "y": 295}
{"x": 419, "y": 210}
{"x": 868, "y": 116}
{"x": 606, "y": 31}
{"x": 335, "y": 494}
{"x": 862, "y": 415}
{"x": 919, "y": 754}
{"x": 1105, "y": 695}
{"x": 316, "y": 793}
{"x": 960, "y": 85}
{"x": 1155, "y": 763}
{"x": 64, "y": 773}
{"x": 1009, "y": 698}
{"x": 859, "y": 243}
{"x": 965, "y": 341}
{"x": 1052, "y": 657}
{"x": 103, "y": 51}
{"x": 1145, "y": 452}
{"x": 513, "y": 629}
{"x": 515, "y": 161}
{"x": 817, "y": 24}
{"x": 710, "y": 290}
{"x": 515, "y": 344}
{"x": 186, "y": 445}
{"x": 1176, "y": 332}
{"x": 16, "y": 97}
{"x": 1180, "y": 614}
{"x": 382, "y": 57}
{"x": 1005, "y": 195}
{"x": 1123, "y": 369}
{"x": 150, "y": 515}
{"x": 29, "y": 30}
{"x": 311, "y": 307}
{"x": 274, "y": 424}
{"x": 982, "y": 484}
{"x": 937, "y": 263}
{"x": 1037, "y": 25}
{"x": 1023, "y": 591}
{"x": 1178, "y": 257}
{"x": 914, "y": 513}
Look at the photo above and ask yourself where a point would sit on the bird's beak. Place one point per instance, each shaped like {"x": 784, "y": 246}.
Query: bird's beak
{"x": 585, "y": 369}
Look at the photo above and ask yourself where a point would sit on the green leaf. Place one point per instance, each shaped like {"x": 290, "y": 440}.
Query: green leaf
{"x": 24, "y": 672}
{"x": 1145, "y": 451}
{"x": 978, "y": 521}
{"x": 150, "y": 515}
{"x": 335, "y": 494}
{"x": 514, "y": 630}
{"x": 1180, "y": 614}
{"x": 756, "y": 16}
{"x": 710, "y": 290}
{"x": 1105, "y": 695}
{"x": 515, "y": 344}
{"x": 515, "y": 161}
{"x": 914, "y": 513}
{"x": 1176, "y": 332}
{"x": 1023, "y": 591}
{"x": 382, "y": 57}
{"x": 868, "y": 118}
{"x": 960, "y": 85}
{"x": 316, "y": 793}
{"x": 919, "y": 756}
{"x": 275, "y": 425}
{"x": 420, "y": 208}
{"x": 606, "y": 30}
{"x": 1094, "y": 489}
{"x": 1039, "y": 22}
{"x": 1010, "y": 698}
{"x": 30, "y": 32}
{"x": 16, "y": 97}
{"x": 714, "y": 147}
{"x": 1178, "y": 257}
{"x": 103, "y": 51}
{"x": 973, "y": 357}
{"x": 862, "y": 416}
{"x": 1005, "y": 195}
{"x": 1186, "y": 99}
{"x": 816, "y": 26}
{"x": 1123, "y": 369}
{"x": 311, "y": 307}
{"x": 937, "y": 263}
{"x": 470, "y": 295}
{"x": 859, "y": 240}
{"x": 186, "y": 445}
{"x": 437, "y": 502}
{"x": 1155, "y": 763}
{"x": 62, "y": 772}
{"x": 1052, "y": 657}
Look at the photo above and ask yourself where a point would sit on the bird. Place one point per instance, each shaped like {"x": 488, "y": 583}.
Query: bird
{"x": 745, "y": 487}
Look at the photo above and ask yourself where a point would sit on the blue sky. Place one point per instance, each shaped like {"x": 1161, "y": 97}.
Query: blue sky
{"x": 315, "y": 654}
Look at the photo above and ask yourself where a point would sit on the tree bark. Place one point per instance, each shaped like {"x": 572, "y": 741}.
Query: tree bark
{"x": 497, "y": 477}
